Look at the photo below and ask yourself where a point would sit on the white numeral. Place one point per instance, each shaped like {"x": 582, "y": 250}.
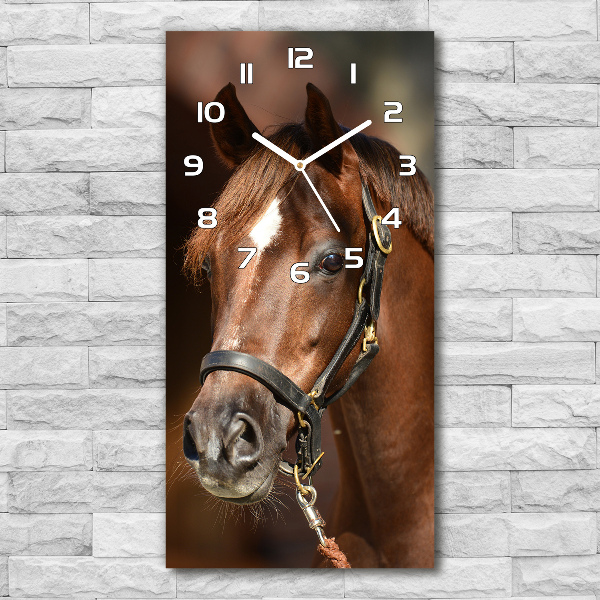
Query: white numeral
{"x": 412, "y": 161}
{"x": 359, "y": 260}
{"x": 388, "y": 113}
{"x": 251, "y": 253}
{"x": 299, "y": 276}
{"x": 298, "y": 62}
{"x": 206, "y": 112}
{"x": 208, "y": 218}
{"x": 392, "y": 218}
{"x": 193, "y": 162}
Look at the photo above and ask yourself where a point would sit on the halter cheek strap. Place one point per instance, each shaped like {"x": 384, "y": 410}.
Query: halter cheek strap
{"x": 310, "y": 407}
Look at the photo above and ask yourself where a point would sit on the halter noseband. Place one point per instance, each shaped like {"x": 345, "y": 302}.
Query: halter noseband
{"x": 310, "y": 407}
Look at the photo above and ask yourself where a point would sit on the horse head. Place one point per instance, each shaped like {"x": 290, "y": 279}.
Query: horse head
{"x": 235, "y": 431}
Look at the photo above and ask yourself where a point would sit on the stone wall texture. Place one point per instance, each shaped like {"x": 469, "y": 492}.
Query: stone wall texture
{"x": 82, "y": 298}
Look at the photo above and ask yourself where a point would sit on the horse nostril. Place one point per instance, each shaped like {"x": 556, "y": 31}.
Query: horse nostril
{"x": 243, "y": 441}
{"x": 189, "y": 445}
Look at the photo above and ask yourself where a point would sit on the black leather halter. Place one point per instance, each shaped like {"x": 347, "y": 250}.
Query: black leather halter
{"x": 310, "y": 407}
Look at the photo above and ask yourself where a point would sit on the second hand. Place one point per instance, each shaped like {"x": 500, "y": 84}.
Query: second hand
{"x": 320, "y": 199}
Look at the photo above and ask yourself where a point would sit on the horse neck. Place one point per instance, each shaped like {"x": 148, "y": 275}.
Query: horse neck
{"x": 385, "y": 421}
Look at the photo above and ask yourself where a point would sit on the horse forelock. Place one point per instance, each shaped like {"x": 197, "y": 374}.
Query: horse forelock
{"x": 247, "y": 196}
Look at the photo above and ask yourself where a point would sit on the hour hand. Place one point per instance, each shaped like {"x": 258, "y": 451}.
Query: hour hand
{"x": 274, "y": 148}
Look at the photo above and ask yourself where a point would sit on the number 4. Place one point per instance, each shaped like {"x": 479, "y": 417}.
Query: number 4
{"x": 392, "y": 218}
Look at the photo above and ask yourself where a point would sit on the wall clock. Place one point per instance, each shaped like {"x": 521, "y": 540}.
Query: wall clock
{"x": 300, "y": 299}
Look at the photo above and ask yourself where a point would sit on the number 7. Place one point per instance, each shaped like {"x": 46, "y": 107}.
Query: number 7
{"x": 251, "y": 253}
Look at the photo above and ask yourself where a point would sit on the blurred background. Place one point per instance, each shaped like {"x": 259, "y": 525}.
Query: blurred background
{"x": 391, "y": 66}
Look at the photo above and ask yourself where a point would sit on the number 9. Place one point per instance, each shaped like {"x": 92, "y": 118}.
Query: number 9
{"x": 193, "y": 162}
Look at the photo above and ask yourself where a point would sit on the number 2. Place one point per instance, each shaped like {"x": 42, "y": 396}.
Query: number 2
{"x": 387, "y": 118}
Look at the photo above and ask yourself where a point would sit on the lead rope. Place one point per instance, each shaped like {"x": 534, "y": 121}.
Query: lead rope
{"x": 327, "y": 546}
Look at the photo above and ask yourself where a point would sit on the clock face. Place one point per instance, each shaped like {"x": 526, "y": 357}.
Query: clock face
{"x": 295, "y": 162}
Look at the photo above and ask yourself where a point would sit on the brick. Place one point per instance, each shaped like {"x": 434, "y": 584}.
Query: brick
{"x": 513, "y": 20}
{"x": 555, "y": 491}
{"x": 85, "y": 150}
{"x": 3, "y": 71}
{"x": 377, "y": 15}
{"x": 44, "y": 193}
{"x": 43, "y": 280}
{"x": 472, "y": 406}
{"x": 472, "y": 535}
{"x": 250, "y": 583}
{"x": 472, "y": 492}
{"x": 85, "y": 236}
{"x": 2, "y": 237}
{"x": 146, "y": 23}
{"x": 556, "y": 406}
{"x": 549, "y": 534}
{"x": 129, "y": 450}
{"x": 516, "y": 276}
{"x": 542, "y": 575}
{"x": 456, "y": 577}
{"x": 517, "y": 191}
{"x": 43, "y": 368}
{"x": 472, "y": 449}
{"x": 473, "y": 320}
{"x": 127, "y": 366}
{"x": 515, "y": 362}
{"x": 44, "y": 24}
{"x": 45, "y": 450}
{"x": 474, "y": 233}
{"x": 87, "y": 577}
{"x": 557, "y": 319}
{"x": 90, "y": 323}
{"x": 127, "y": 193}
{"x": 3, "y": 492}
{"x": 563, "y": 148}
{"x": 87, "y": 409}
{"x": 4, "y": 576}
{"x": 22, "y": 108}
{"x": 515, "y": 534}
{"x": 3, "y": 410}
{"x": 557, "y": 233}
{"x": 142, "y": 106}
{"x": 473, "y": 147}
{"x": 127, "y": 279}
{"x": 564, "y": 62}
{"x": 471, "y": 62}
{"x": 46, "y": 534}
{"x": 516, "y": 104}
{"x": 133, "y": 534}
{"x": 86, "y": 66}
{"x": 86, "y": 492}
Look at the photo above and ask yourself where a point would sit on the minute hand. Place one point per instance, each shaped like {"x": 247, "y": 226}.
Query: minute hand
{"x": 333, "y": 144}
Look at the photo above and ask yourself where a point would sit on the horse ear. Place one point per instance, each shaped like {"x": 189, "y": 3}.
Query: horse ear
{"x": 232, "y": 136}
{"x": 322, "y": 127}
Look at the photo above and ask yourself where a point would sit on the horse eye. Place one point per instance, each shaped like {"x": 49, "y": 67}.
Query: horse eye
{"x": 332, "y": 263}
{"x": 206, "y": 266}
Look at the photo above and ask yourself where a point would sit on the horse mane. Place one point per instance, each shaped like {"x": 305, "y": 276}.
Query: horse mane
{"x": 245, "y": 196}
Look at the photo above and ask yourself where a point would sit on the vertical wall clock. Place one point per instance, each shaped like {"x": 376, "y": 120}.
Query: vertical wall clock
{"x": 300, "y": 299}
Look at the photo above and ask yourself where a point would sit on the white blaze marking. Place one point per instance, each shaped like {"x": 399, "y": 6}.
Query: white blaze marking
{"x": 262, "y": 235}
{"x": 266, "y": 229}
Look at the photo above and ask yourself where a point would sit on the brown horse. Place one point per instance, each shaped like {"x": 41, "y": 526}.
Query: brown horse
{"x": 235, "y": 432}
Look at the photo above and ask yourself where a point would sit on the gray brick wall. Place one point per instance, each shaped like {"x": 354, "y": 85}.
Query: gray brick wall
{"x": 82, "y": 291}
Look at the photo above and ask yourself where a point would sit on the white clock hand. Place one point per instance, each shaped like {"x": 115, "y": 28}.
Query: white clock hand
{"x": 335, "y": 143}
{"x": 320, "y": 200}
{"x": 274, "y": 148}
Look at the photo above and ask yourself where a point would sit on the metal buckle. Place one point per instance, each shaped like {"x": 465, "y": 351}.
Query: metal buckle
{"x": 378, "y": 219}
{"x": 370, "y": 336}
